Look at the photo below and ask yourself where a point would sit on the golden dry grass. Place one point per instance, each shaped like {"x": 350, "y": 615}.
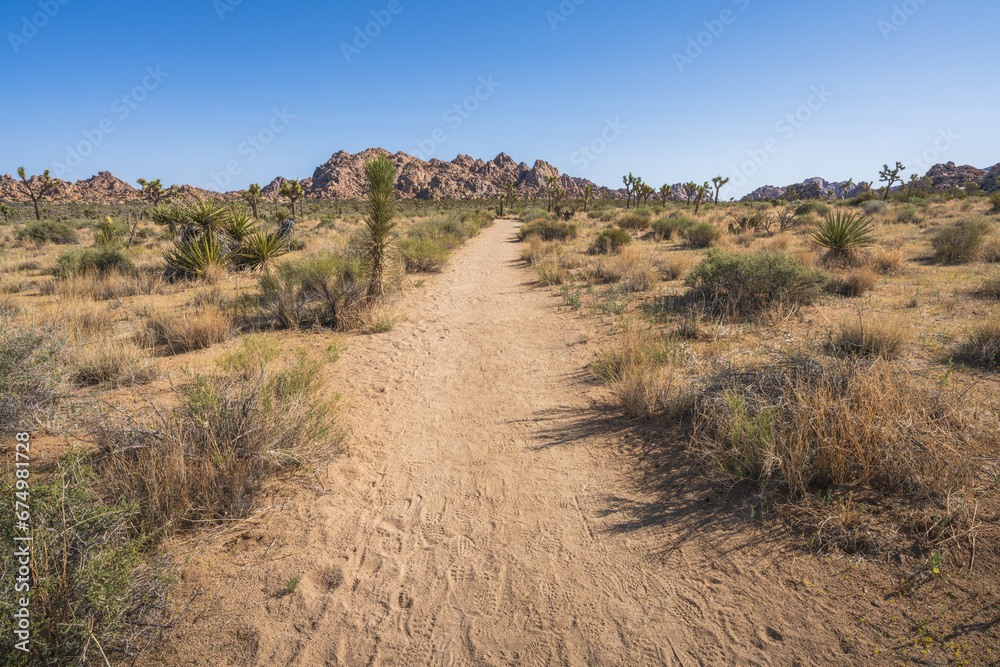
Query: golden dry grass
{"x": 177, "y": 333}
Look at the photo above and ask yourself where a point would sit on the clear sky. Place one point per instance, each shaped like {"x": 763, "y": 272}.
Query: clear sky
{"x": 222, "y": 93}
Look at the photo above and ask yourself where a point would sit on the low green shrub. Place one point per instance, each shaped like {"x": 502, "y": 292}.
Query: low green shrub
{"x": 98, "y": 260}
{"x": 812, "y": 207}
{"x": 748, "y": 284}
{"x": 635, "y": 221}
{"x": 961, "y": 243}
{"x": 31, "y": 370}
{"x": 548, "y": 229}
{"x": 672, "y": 226}
{"x": 610, "y": 240}
{"x": 40, "y": 232}
{"x": 701, "y": 235}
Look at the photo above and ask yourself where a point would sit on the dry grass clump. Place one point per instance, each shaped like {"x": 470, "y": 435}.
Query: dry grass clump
{"x": 370, "y": 317}
{"x": 881, "y": 259}
{"x": 549, "y": 259}
{"x": 80, "y": 319}
{"x": 855, "y": 283}
{"x": 116, "y": 363}
{"x": 105, "y": 286}
{"x": 30, "y": 373}
{"x": 876, "y": 337}
{"x": 991, "y": 251}
{"x": 176, "y": 333}
{"x": 796, "y": 426}
{"x": 643, "y": 372}
{"x": 674, "y": 268}
{"x": 989, "y": 289}
{"x": 961, "y": 243}
{"x": 209, "y": 457}
{"x": 633, "y": 269}
{"x": 982, "y": 347}
{"x": 8, "y": 308}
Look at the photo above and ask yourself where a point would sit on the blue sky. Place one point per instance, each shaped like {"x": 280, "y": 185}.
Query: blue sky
{"x": 222, "y": 93}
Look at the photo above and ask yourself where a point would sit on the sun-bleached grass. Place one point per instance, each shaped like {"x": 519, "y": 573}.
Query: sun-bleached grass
{"x": 855, "y": 283}
{"x": 115, "y": 363}
{"x": 872, "y": 337}
{"x": 982, "y": 345}
{"x": 176, "y": 333}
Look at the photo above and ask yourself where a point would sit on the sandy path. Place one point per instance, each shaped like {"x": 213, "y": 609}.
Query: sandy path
{"x": 484, "y": 518}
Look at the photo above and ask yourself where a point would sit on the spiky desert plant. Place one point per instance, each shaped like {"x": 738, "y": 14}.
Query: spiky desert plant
{"x": 260, "y": 250}
{"x": 995, "y": 200}
{"x": 108, "y": 232}
{"x": 199, "y": 255}
{"x": 252, "y": 197}
{"x": 379, "y": 223}
{"x": 842, "y": 232}
{"x": 588, "y": 192}
{"x": 153, "y": 190}
{"x": 166, "y": 214}
{"x": 239, "y": 225}
{"x": 209, "y": 214}
{"x": 292, "y": 191}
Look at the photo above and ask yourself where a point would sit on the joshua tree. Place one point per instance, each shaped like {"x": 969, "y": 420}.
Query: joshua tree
{"x": 643, "y": 194}
{"x": 631, "y": 183}
{"x": 507, "y": 199}
{"x": 555, "y": 193}
{"x": 36, "y": 194}
{"x": 252, "y": 197}
{"x": 666, "y": 192}
{"x": 6, "y": 212}
{"x": 890, "y": 176}
{"x": 690, "y": 190}
{"x": 701, "y": 191}
{"x": 291, "y": 190}
{"x": 153, "y": 190}
{"x": 587, "y": 194}
{"x": 718, "y": 182}
{"x": 379, "y": 224}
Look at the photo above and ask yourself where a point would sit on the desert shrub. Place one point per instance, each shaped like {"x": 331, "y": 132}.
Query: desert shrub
{"x": 842, "y": 233}
{"x": 609, "y": 214}
{"x": 610, "y": 240}
{"x": 259, "y": 250}
{"x": 673, "y": 225}
{"x": 881, "y": 259}
{"x": 177, "y": 333}
{"x": 908, "y": 214}
{"x": 314, "y": 292}
{"x": 961, "y": 243}
{"x": 701, "y": 235}
{"x": 812, "y": 208}
{"x": 856, "y": 283}
{"x": 205, "y": 253}
{"x": 644, "y": 374}
{"x": 537, "y": 214}
{"x": 751, "y": 221}
{"x": 988, "y": 289}
{"x": 995, "y": 203}
{"x": 748, "y": 284}
{"x": 548, "y": 229}
{"x": 674, "y": 268}
{"x": 209, "y": 457}
{"x": 46, "y": 231}
{"x": 424, "y": 255}
{"x": 635, "y": 221}
{"x": 105, "y": 286}
{"x": 97, "y": 260}
{"x": 799, "y": 425}
{"x": 115, "y": 363}
{"x": 874, "y": 207}
{"x": 30, "y": 373}
{"x": 982, "y": 345}
{"x": 634, "y": 270}
{"x": 427, "y": 244}
{"x": 91, "y": 577}
{"x": 875, "y": 337}
{"x": 593, "y": 215}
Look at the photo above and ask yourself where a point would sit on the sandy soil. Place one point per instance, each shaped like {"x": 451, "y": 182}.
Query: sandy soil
{"x": 490, "y": 512}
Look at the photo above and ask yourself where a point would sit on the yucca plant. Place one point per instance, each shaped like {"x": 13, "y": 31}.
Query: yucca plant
{"x": 995, "y": 200}
{"x": 239, "y": 225}
{"x": 169, "y": 215}
{"x": 379, "y": 233}
{"x": 261, "y": 249}
{"x": 108, "y": 232}
{"x": 841, "y": 232}
{"x": 209, "y": 214}
{"x": 195, "y": 257}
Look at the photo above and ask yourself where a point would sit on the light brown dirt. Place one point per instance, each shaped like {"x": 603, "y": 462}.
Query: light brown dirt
{"x": 489, "y": 514}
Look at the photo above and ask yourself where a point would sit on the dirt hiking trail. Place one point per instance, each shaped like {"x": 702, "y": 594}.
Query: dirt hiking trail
{"x": 490, "y": 512}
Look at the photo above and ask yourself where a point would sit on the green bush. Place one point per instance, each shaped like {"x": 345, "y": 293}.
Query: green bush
{"x": 428, "y": 243}
{"x": 743, "y": 284}
{"x": 815, "y": 207}
{"x": 908, "y": 214}
{"x": 98, "y": 260}
{"x": 548, "y": 229}
{"x": 46, "y": 231}
{"x": 873, "y": 206}
{"x": 635, "y": 221}
{"x": 313, "y": 292}
{"x": 962, "y": 242}
{"x": 995, "y": 202}
{"x": 611, "y": 240}
{"x": 424, "y": 255}
{"x": 30, "y": 373}
{"x": 701, "y": 235}
{"x": 673, "y": 225}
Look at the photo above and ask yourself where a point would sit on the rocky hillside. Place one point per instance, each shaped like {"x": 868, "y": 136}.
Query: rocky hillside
{"x": 943, "y": 177}
{"x": 343, "y": 177}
